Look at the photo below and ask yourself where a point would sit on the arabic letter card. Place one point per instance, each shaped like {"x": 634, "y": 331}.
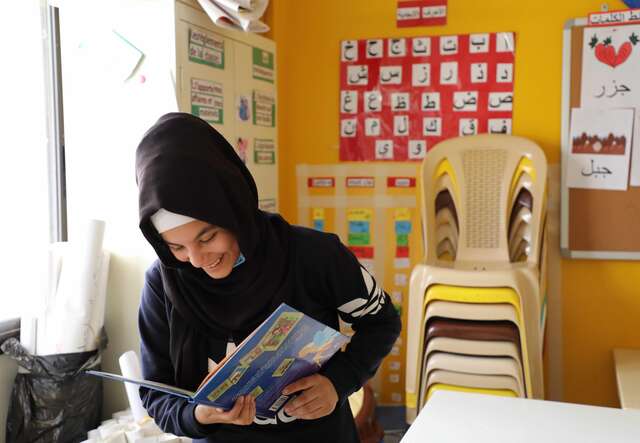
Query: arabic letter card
{"x": 600, "y": 148}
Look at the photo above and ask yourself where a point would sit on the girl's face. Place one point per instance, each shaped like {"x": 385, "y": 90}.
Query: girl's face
{"x": 205, "y": 246}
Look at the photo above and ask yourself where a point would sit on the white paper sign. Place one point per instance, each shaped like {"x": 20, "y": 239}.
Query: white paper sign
{"x": 600, "y": 148}
{"x": 611, "y": 76}
{"x": 400, "y": 279}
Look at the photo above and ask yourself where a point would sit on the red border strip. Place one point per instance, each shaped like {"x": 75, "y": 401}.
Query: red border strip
{"x": 321, "y": 182}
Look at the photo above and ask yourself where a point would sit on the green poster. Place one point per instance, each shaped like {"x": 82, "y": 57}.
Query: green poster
{"x": 263, "y": 62}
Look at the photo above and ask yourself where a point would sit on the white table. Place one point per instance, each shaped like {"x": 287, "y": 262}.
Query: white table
{"x": 460, "y": 417}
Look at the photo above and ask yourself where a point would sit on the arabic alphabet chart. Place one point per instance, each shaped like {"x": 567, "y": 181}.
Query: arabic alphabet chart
{"x": 401, "y": 96}
{"x": 421, "y": 13}
{"x": 600, "y": 148}
{"x": 611, "y": 76}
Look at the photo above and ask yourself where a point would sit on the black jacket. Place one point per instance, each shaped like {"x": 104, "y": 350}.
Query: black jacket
{"x": 327, "y": 282}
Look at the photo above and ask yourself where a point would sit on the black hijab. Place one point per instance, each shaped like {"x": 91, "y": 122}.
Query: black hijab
{"x": 185, "y": 166}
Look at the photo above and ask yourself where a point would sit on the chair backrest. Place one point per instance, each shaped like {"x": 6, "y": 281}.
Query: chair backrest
{"x": 484, "y": 200}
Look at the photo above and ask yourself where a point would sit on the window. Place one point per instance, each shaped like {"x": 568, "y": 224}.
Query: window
{"x": 28, "y": 162}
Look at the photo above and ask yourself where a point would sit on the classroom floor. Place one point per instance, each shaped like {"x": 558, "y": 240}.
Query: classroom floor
{"x": 392, "y": 420}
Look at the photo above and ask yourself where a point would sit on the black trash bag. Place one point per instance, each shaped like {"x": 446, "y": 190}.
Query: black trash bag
{"x": 55, "y": 401}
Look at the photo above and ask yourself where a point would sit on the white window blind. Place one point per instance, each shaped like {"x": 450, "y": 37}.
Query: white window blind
{"x": 24, "y": 182}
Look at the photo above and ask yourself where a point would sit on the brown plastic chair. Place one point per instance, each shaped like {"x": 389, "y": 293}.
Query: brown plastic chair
{"x": 472, "y": 330}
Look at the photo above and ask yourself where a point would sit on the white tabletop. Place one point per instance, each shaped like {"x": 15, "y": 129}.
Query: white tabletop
{"x": 461, "y": 417}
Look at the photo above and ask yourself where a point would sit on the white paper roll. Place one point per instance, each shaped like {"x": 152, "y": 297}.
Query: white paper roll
{"x": 96, "y": 323}
{"x": 57, "y": 252}
{"x": 29, "y": 333}
{"x": 32, "y": 329}
{"x": 68, "y": 322}
{"x": 130, "y": 368}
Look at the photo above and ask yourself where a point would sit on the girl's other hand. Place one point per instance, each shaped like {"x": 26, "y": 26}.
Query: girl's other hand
{"x": 318, "y": 397}
{"x": 242, "y": 413}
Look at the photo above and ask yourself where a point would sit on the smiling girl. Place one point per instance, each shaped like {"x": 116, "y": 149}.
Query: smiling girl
{"x": 224, "y": 266}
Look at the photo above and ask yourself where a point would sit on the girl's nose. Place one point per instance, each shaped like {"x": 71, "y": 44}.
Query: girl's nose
{"x": 196, "y": 258}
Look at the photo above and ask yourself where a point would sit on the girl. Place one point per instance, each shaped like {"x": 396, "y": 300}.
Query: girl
{"x": 224, "y": 266}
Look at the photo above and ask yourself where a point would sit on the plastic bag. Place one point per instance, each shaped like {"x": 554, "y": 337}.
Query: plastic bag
{"x": 54, "y": 401}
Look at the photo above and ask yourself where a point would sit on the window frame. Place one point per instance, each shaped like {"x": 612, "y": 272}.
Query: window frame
{"x": 55, "y": 150}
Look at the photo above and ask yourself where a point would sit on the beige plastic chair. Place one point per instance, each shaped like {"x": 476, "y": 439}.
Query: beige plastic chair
{"x": 448, "y": 232}
{"x": 484, "y": 175}
{"x": 485, "y": 335}
{"x": 470, "y": 365}
{"x": 474, "y": 347}
{"x": 473, "y": 364}
{"x": 474, "y": 380}
{"x": 471, "y": 348}
{"x": 471, "y": 311}
{"x": 524, "y": 277}
{"x": 443, "y": 387}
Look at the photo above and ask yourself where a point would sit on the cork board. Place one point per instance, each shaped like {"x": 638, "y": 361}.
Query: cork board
{"x": 595, "y": 223}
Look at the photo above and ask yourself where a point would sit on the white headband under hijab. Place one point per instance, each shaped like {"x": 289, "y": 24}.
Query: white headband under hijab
{"x": 164, "y": 220}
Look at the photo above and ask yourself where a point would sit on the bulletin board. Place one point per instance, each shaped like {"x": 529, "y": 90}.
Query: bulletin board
{"x": 228, "y": 78}
{"x": 373, "y": 209}
{"x": 598, "y": 223}
{"x": 401, "y": 96}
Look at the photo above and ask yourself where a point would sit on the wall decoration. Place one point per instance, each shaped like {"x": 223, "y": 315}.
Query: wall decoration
{"x": 206, "y": 49}
{"x": 421, "y": 13}
{"x": 374, "y": 211}
{"x": 600, "y": 148}
{"x": 242, "y": 145}
{"x": 611, "y": 76}
{"x": 263, "y": 65}
{"x": 228, "y": 80}
{"x": 264, "y": 109}
{"x": 400, "y": 96}
{"x": 609, "y": 18}
{"x": 207, "y": 100}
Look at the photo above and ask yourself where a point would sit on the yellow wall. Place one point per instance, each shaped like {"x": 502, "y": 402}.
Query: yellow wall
{"x": 601, "y": 306}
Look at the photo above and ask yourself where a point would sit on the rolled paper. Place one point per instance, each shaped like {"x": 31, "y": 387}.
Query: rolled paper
{"x": 130, "y": 368}
{"x": 68, "y": 319}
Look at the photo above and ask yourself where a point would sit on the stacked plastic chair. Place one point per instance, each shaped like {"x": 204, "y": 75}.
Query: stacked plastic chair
{"x": 477, "y": 304}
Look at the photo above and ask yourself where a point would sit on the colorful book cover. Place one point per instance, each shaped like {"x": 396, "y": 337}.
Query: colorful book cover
{"x": 287, "y": 346}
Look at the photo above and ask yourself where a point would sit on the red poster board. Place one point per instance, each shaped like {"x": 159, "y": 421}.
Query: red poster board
{"x": 400, "y": 96}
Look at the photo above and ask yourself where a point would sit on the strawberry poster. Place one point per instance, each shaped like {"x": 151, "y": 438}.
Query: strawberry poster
{"x": 611, "y": 77}
{"x": 401, "y": 96}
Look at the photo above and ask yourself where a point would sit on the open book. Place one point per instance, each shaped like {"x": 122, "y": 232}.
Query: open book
{"x": 287, "y": 346}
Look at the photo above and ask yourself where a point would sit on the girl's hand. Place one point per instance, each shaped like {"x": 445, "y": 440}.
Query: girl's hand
{"x": 318, "y": 398}
{"x": 242, "y": 413}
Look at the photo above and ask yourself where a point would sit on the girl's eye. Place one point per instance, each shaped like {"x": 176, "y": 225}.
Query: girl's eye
{"x": 175, "y": 247}
{"x": 208, "y": 239}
